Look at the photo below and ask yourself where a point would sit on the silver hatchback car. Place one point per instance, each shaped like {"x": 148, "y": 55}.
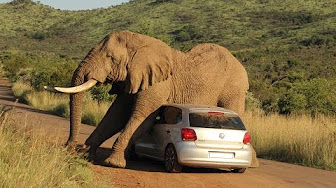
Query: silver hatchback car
{"x": 197, "y": 136}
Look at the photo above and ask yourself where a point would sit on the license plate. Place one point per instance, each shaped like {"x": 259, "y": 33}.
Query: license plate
{"x": 221, "y": 155}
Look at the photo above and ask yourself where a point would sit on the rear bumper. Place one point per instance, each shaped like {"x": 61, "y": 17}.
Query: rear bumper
{"x": 191, "y": 155}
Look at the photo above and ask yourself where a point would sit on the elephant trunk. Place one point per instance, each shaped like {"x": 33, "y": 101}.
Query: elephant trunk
{"x": 76, "y": 104}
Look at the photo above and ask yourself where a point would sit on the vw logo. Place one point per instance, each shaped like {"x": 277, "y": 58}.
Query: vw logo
{"x": 221, "y": 135}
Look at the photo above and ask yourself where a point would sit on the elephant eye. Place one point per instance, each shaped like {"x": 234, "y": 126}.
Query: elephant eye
{"x": 111, "y": 56}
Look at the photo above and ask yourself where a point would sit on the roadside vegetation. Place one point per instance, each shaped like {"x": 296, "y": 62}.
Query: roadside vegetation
{"x": 58, "y": 104}
{"x": 288, "y": 48}
{"x": 33, "y": 158}
{"x": 298, "y": 139}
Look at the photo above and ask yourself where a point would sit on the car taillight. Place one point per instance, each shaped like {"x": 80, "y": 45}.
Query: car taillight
{"x": 188, "y": 134}
{"x": 247, "y": 138}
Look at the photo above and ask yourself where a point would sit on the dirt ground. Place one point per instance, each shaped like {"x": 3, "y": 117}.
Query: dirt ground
{"x": 147, "y": 173}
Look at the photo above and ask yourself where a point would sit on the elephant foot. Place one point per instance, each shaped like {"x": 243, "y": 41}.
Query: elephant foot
{"x": 71, "y": 146}
{"x": 83, "y": 148}
{"x": 254, "y": 163}
{"x": 115, "y": 161}
{"x": 90, "y": 157}
{"x": 88, "y": 151}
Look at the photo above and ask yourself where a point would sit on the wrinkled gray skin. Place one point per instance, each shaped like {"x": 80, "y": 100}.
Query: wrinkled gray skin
{"x": 146, "y": 73}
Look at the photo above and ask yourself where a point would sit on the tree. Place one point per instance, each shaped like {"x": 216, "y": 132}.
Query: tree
{"x": 16, "y": 2}
{"x": 317, "y": 96}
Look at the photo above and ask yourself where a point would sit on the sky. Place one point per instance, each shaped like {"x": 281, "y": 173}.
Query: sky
{"x": 77, "y": 4}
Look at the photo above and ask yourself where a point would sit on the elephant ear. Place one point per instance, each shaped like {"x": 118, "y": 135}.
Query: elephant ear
{"x": 148, "y": 66}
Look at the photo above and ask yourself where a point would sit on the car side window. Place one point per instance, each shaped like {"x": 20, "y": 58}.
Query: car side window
{"x": 169, "y": 115}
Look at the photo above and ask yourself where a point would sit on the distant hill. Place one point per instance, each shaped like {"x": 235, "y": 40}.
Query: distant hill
{"x": 281, "y": 43}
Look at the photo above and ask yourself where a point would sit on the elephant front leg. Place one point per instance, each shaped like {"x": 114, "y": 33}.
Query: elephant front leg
{"x": 131, "y": 133}
{"x": 114, "y": 121}
{"x": 145, "y": 105}
{"x": 119, "y": 149}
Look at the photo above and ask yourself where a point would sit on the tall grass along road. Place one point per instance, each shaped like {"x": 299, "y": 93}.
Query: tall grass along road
{"x": 294, "y": 139}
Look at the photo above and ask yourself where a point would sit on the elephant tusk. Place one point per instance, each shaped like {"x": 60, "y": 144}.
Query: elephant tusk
{"x": 87, "y": 85}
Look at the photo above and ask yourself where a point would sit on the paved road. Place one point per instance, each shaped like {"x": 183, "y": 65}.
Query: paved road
{"x": 146, "y": 173}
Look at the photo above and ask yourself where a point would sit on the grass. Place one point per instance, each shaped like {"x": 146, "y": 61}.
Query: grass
{"x": 94, "y": 111}
{"x": 295, "y": 139}
{"x": 29, "y": 157}
{"x": 58, "y": 104}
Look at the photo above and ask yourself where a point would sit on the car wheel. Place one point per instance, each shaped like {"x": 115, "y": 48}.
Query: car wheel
{"x": 171, "y": 161}
{"x": 238, "y": 170}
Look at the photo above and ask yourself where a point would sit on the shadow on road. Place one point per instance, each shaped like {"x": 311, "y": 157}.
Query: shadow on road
{"x": 149, "y": 165}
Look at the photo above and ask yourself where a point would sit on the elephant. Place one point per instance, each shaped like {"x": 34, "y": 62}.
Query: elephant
{"x": 146, "y": 73}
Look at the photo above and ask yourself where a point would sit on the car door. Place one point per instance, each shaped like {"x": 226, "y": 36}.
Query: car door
{"x": 162, "y": 130}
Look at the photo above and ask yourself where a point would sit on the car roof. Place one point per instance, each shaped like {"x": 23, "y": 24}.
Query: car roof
{"x": 194, "y": 107}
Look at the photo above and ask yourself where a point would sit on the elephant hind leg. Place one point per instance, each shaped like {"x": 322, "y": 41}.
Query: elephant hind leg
{"x": 236, "y": 103}
{"x": 255, "y": 162}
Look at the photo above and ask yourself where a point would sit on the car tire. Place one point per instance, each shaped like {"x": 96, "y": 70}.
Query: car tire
{"x": 238, "y": 170}
{"x": 171, "y": 160}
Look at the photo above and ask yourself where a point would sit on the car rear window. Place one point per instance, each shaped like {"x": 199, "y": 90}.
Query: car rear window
{"x": 216, "y": 120}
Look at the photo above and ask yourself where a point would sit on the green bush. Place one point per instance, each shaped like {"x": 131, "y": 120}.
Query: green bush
{"x": 167, "y": 1}
{"x": 188, "y": 32}
{"x": 252, "y": 103}
{"x": 40, "y": 35}
{"x": 38, "y": 71}
{"x": 101, "y": 93}
{"x": 317, "y": 96}
{"x": 152, "y": 27}
{"x": 319, "y": 40}
{"x": 286, "y": 17}
{"x": 270, "y": 105}
{"x": 12, "y": 64}
{"x": 291, "y": 103}
{"x": 16, "y": 2}
{"x": 182, "y": 36}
